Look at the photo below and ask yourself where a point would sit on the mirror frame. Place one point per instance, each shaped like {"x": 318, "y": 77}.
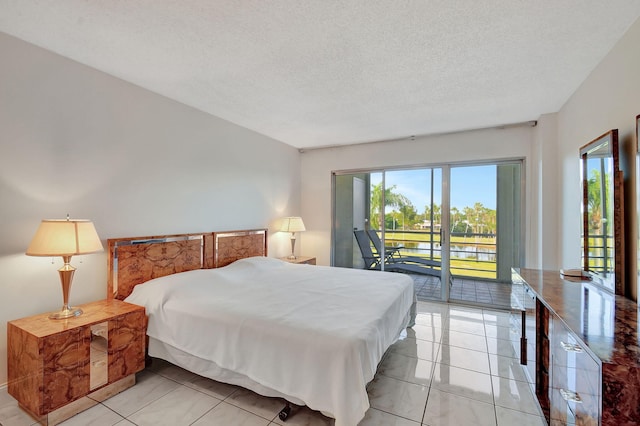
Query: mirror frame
{"x": 634, "y": 290}
{"x": 618, "y": 211}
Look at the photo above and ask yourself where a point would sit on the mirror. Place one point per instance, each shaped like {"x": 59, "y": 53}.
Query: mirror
{"x": 602, "y": 212}
{"x": 99, "y": 371}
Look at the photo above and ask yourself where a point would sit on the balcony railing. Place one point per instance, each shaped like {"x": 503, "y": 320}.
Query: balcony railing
{"x": 472, "y": 254}
{"x": 601, "y": 256}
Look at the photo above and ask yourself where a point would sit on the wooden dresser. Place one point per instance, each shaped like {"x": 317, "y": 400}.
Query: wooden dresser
{"x": 54, "y": 364}
{"x": 587, "y": 351}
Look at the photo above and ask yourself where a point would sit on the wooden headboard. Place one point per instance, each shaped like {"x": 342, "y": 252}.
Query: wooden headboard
{"x": 234, "y": 245}
{"x": 134, "y": 260}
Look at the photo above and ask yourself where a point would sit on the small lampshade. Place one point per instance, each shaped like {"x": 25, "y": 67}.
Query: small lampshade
{"x": 64, "y": 238}
{"x": 292, "y": 224}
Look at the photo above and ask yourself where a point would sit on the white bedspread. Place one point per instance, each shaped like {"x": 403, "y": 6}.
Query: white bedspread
{"x": 311, "y": 332}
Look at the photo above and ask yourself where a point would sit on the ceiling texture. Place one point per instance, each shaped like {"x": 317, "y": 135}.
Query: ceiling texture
{"x": 315, "y": 73}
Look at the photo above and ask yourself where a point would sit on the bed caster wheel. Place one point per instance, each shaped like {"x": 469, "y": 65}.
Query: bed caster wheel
{"x": 284, "y": 413}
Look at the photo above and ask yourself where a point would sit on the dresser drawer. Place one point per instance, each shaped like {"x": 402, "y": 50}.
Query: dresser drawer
{"x": 66, "y": 358}
{"x": 126, "y": 345}
{"x": 575, "y": 379}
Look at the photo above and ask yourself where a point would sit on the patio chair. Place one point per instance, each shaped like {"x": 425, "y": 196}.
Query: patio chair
{"x": 392, "y": 254}
{"x": 393, "y": 258}
{"x": 374, "y": 261}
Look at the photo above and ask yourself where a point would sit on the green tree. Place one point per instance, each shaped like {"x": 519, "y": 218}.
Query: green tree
{"x": 409, "y": 214}
{"x": 477, "y": 219}
{"x": 468, "y": 219}
{"x": 457, "y": 221}
{"x": 437, "y": 214}
{"x": 594, "y": 201}
{"x": 391, "y": 199}
{"x": 393, "y": 220}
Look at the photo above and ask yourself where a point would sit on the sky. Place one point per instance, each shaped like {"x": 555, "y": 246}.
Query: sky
{"x": 469, "y": 184}
{"x": 473, "y": 184}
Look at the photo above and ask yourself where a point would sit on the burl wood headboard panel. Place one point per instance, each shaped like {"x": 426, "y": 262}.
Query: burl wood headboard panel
{"x": 233, "y": 245}
{"x": 135, "y": 260}
{"x": 138, "y": 259}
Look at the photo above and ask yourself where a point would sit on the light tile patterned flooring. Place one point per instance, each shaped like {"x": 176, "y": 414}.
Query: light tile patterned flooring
{"x": 465, "y": 290}
{"x": 456, "y": 366}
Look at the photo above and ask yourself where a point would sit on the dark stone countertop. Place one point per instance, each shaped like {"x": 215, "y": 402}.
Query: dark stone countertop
{"x": 606, "y": 323}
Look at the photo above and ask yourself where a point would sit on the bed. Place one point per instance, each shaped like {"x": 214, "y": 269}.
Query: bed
{"x": 280, "y": 329}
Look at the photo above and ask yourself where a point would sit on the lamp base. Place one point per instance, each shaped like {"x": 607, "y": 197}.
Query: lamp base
{"x": 66, "y": 276}
{"x": 66, "y": 312}
{"x": 293, "y": 246}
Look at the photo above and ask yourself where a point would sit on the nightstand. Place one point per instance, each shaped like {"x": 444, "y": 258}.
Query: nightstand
{"x": 54, "y": 365}
{"x": 300, "y": 260}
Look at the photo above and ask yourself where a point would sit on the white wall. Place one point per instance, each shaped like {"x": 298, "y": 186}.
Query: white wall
{"x": 317, "y": 165}
{"x": 543, "y": 243}
{"x": 608, "y": 99}
{"x": 75, "y": 140}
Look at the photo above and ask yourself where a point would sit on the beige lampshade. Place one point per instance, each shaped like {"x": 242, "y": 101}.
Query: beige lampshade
{"x": 64, "y": 237}
{"x": 292, "y": 224}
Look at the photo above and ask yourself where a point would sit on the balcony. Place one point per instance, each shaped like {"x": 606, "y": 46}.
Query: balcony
{"x": 473, "y": 255}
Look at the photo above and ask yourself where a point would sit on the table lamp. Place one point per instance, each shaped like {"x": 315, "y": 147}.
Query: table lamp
{"x": 66, "y": 238}
{"x": 292, "y": 224}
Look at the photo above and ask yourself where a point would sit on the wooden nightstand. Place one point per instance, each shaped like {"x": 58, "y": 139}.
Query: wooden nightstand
{"x": 54, "y": 365}
{"x": 300, "y": 260}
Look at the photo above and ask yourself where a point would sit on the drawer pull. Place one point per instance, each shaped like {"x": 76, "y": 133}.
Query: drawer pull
{"x": 571, "y": 347}
{"x": 570, "y": 396}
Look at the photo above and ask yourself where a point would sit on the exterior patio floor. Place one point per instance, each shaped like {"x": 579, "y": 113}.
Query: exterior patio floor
{"x": 465, "y": 290}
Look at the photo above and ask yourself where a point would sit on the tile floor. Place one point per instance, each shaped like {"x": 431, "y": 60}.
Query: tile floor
{"x": 465, "y": 290}
{"x": 456, "y": 366}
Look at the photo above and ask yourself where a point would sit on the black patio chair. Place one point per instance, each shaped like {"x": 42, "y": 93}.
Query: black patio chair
{"x": 393, "y": 254}
{"x": 374, "y": 261}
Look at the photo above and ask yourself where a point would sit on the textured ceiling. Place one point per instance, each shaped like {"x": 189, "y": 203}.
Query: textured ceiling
{"x": 323, "y": 72}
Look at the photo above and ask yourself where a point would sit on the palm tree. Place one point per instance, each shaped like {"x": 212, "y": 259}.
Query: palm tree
{"x": 391, "y": 199}
{"x": 595, "y": 210}
{"x": 454, "y": 212}
{"x": 437, "y": 215}
{"x": 479, "y": 211}
{"x": 467, "y": 213}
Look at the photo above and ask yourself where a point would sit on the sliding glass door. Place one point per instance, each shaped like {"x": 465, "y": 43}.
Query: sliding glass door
{"x": 392, "y": 220}
{"x": 453, "y": 224}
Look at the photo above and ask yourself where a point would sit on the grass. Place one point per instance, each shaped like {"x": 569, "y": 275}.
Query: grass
{"x": 425, "y": 237}
{"x": 459, "y": 267}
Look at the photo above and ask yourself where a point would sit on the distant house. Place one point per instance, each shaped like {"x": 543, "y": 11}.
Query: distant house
{"x": 426, "y": 224}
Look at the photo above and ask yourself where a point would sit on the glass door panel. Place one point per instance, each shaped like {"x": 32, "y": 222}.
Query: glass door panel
{"x": 473, "y": 221}
{"x": 485, "y": 231}
{"x": 351, "y": 202}
{"x": 413, "y": 227}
